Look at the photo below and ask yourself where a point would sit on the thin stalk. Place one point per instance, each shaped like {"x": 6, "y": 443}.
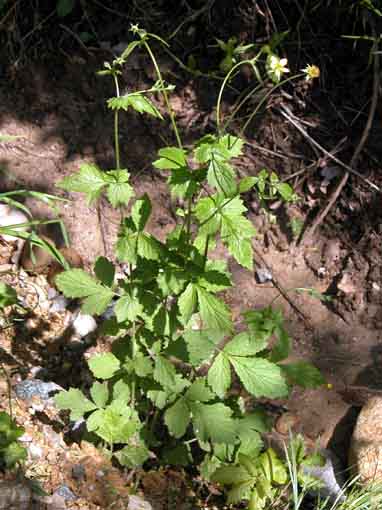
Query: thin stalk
{"x": 164, "y": 92}
{"x": 133, "y": 353}
{"x": 116, "y": 126}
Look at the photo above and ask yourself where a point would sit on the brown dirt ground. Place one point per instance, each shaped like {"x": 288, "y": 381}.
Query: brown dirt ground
{"x": 62, "y": 121}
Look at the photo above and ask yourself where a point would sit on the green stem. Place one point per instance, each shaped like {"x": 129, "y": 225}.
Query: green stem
{"x": 116, "y": 127}
{"x": 133, "y": 354}
{"x": 164, "y": 92}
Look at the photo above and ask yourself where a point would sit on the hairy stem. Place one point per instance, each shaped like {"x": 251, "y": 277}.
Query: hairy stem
{"x": 116, "y": 126}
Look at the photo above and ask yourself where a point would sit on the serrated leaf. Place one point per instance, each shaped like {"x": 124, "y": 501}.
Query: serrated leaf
{"x": 121, "y": 392}
{"x": 99, "y": 393}
{"x": 75, "y": 401}
{"x": 89, "y": 180}
{"x": 219, "y": 375}
{"x": 206, "y": 417}
{"x": 231, "y": 475}
{"x": 119, "y": 192}
{"x": 221, "y": 176}
{"x": 164, "y": 372}
{"x": 236, "y": 234}
{"x": 303, "y": 374}
{"x": 112, "y": 426}
{"x": 178, "y": 456}
{"x": 141, "y": 211}
{"x": 201, "y": 344}
{"x": 246, "y": 184}
{"x": 77, "y": 283}
{"x": 199, "y": 391}
{"x": 149, "y": 247}
{"x": 241, "y": 491}
{"x": 127, "y": 308}
{"x": 143, "y": 366}
{"x": 233, "y": 144}
{"x": 187, "y": 302}
{"x": 251, "y": 444}
{"x": 245, "y": 344}
{"x": 8, "y": 295}
{"x": 104, "y": 366}
{"x": 137, "y": 101}
{"x": 208, "y": 215}
{"x": 177, "y": 418}
{"x": 260, "y": 377}
{"x": 104, "y": 271}
{"x": 214, "y": 313}
{"x": 96, "y": 304}
{"x": 171, "y": 158}
{"x": 214, "y": 281}
{"x": 281, "y": 349}
{"x": 132, "y": 456}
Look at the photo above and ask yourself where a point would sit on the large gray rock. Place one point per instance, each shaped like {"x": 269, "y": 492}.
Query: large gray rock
{"x": 365, "y": 454}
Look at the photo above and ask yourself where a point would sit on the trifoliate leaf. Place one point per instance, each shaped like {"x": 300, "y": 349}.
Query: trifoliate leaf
{"x": 171, "y": 158}
{"x": 104, "y": 271}
{"x": 303, "y": 374}
{"x": 137, "y": 101}
{"x": 100, "y": 393}
{"x": 75, "y": 401}
{"x": 8, "y": 295}
{"x": 201, "y": 344}
{"x": 245, "y": 344}
{"x": 260, "y": 377}
{"x": 177, "y": 418}
{"x": 140, "y": 212}
{"x": 214, "y": 313}
{"x": 213, "y": 422}
{"x": 89, "y": 180}
{"x": 187, "y": 303}
{"x": 219, "y": 375}
{"x": 104, "y": 366}
{"x": 199, "y": 391}
{"x": 164, "y": 372}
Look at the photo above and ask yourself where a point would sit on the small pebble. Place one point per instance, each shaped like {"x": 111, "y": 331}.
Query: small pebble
{"x": 84, "y": 324}
{"x": 263, "y": 275}
{"x": 78, "y": 472}
{"x": 58, "y": 304}
{"x": 137, "y": 503}
{"x": 65, "y": 493}
{"x": 35, "y": 452}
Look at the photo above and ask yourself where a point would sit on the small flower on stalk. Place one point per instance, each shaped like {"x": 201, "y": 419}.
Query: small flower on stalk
{"x": 276, "y": 67}
{"x": 311, "y": 72}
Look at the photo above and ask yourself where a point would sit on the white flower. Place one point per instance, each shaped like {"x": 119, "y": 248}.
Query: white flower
{"x": 276, "y": 67}
{"x": 311, "y": 72}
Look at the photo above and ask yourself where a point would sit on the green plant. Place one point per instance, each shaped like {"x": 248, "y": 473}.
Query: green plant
{"x": 11, "y": 452}
{"x": 166, "y": 385}
{"x": 263, "y": 478}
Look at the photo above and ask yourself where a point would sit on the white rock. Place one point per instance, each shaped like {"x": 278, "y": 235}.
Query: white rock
{"x": 330, "y": 477}
{"x": 365, "y": 454}
{"x": 35, "y": 452}
{"x": 137, "y": 503}
{"x": 84, "y": 324}
{"x": 10, "y": 216}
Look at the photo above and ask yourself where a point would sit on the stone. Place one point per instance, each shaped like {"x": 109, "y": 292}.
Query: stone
{"x": 329, "y": 476}
{"x": 26, "y": 390}
{"x": 137, "y": 503}
{"x": 365, "y": 454}
{"x": 15, "y": 496}
{"x": 84, "y": 324}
